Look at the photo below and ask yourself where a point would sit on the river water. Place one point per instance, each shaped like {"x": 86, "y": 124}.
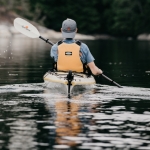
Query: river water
{"x": 100, "y": 117}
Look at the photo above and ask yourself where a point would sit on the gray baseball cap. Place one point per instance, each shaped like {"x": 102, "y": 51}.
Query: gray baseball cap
{"x": 69, "y": 27}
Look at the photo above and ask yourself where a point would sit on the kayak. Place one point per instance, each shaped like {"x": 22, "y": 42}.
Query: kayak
{"x": 68, "y": 79}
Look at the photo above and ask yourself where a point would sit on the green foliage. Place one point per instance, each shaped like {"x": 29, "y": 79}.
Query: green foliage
{"x": 116, "y": 17}
{"x": 53, "y": 13}
{"x": 129, "y": 17}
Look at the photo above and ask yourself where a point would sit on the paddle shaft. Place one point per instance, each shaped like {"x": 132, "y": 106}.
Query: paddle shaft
{"x": 46, "y": 40}
{"x": 111, "y": 81}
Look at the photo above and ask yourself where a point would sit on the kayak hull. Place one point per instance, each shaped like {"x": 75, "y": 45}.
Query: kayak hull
{"x": 61, "y": 78}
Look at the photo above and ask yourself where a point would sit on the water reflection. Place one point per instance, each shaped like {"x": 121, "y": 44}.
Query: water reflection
{"x": 33, "y": 117}
{"x": 67, "y": 122}
{"x": 21, "y": 132}
{"x": 17, "y": 129}
{"x": 25, "y": 60}
{"x": 22, "y": 60}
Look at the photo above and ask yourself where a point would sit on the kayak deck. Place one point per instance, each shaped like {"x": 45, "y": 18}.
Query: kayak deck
{"x": 61, "y": 77}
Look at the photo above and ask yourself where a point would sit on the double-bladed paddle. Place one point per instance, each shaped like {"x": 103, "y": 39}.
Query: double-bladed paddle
{"x": 29, "y": 30}
{"x": 111, "y": 80}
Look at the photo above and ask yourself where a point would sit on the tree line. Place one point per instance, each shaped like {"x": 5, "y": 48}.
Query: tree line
{"x": 122, "y": 18}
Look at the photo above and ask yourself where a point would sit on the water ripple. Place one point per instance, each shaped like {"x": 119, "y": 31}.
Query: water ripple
{"x": 105, "y": 117}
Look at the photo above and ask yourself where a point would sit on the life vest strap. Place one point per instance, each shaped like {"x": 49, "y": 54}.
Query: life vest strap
{"x": 78, "y": 42}
{"x": 59, "y": 42}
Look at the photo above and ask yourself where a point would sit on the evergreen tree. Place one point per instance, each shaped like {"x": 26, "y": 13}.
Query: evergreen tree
{"x": 116, "y": 17}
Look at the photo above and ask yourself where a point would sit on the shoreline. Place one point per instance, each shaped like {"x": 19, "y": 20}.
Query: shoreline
{"x": 8, "y": 30}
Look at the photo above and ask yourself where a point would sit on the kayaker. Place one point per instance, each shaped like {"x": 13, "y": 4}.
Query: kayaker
{"x": 71, "y": 54}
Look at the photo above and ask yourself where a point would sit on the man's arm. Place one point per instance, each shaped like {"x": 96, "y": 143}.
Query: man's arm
{"x": 53, "y": 52}
{"x": 94, "y": 69}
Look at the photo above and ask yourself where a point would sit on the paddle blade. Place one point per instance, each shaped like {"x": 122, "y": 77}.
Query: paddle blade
{"x": 26, "y": 28}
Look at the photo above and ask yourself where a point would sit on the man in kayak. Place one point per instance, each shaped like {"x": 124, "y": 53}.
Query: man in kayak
{"x": 71, "y": 54}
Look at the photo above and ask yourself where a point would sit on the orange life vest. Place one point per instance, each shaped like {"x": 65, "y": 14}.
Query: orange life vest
{"x": 69, "y": 58}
